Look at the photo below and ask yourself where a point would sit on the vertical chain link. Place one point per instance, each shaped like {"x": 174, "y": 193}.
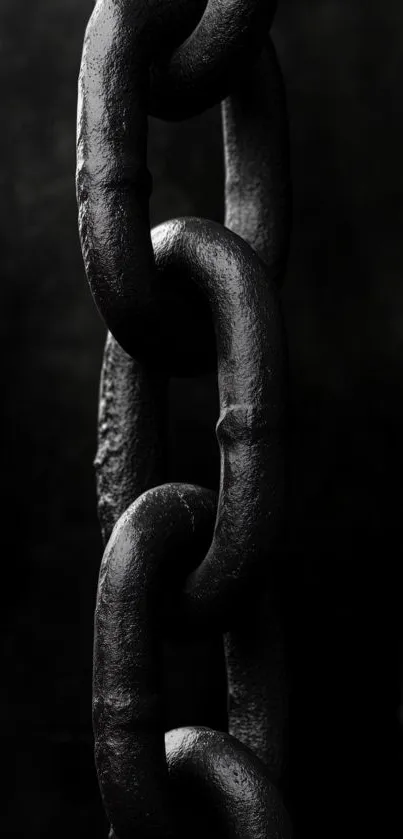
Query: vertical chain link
{"x": 179, "y": 300}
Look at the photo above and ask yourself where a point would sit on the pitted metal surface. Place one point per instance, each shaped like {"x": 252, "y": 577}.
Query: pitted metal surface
{"x": 190, "y": 296}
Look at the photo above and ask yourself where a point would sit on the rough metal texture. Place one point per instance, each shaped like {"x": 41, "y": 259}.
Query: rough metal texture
{"x": 130, "y": 454}
{"x": 190, "y": 296}
{"x": 257, "y": 176}
{"x": 203, "y": 69}
{"x": 127, "y": 686}
{"x": 251, "y": 378}
{"x": 145, "y": 792}
{"x": 258, "y": 208}
{"x": 113, "y": 183}
{"x": 211, "y": 768}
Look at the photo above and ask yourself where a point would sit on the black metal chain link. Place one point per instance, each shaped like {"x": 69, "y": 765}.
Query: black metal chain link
{"x": 179, "y": 300}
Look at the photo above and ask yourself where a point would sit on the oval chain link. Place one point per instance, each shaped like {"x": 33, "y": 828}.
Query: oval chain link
{"x": 149, "y": 786}
{"x": 164, "y": 297}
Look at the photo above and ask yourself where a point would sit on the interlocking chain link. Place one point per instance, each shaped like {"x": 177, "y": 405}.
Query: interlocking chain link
{"x": 187, "y": 297}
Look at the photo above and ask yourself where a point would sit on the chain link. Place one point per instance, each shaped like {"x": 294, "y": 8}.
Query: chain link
{"x": 185, "y": 298}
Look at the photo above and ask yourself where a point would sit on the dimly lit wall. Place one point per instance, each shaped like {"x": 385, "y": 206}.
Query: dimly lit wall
{"x": 343, "y": 302}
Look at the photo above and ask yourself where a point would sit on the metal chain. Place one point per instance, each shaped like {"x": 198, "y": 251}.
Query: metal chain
{"x": 187, "y": 297}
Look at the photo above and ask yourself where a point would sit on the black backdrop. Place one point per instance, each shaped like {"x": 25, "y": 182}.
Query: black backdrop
{"x": 343, "y": 300}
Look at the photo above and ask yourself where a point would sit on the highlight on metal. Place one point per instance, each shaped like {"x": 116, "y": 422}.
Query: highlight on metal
{"x": 187, "y": 297}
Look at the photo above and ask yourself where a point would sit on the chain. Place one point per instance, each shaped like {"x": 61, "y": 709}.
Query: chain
{"x": 185, "y": 298}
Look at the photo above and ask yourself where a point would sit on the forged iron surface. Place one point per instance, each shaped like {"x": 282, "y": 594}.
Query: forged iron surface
{"x": 257, "y": 169}
{"x": 251, "y": 373}
{"x": 202, "y": 70}
{"x": 130, "y": 456}
{"x": 188, "y": 297}
{"x": 127, "y": 685}
{"x": 145, "y": 792}
{"x": 145, "y": 314}
{"x": 226, "y": 784}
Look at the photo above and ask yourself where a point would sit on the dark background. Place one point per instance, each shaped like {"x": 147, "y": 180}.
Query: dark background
{"x": 343, "y": 301}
